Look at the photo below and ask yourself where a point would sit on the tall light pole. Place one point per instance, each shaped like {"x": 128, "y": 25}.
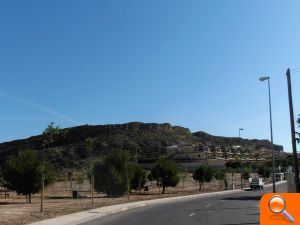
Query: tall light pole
{"x": 271, "y": 132}
{"x": 295, "y": 155}
{"x": 241, "y": 156}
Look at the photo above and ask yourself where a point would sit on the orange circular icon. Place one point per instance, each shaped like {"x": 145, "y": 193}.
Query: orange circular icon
{"x": 277, "y": 204}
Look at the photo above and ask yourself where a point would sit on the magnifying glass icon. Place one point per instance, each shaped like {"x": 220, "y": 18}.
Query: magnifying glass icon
{"x": 277, "y": 205}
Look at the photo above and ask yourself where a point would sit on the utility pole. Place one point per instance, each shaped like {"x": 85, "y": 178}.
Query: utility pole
{"x": 295, "y": 156}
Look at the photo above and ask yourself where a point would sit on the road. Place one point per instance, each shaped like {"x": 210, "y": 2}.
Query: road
{"x": 241, "y": 208}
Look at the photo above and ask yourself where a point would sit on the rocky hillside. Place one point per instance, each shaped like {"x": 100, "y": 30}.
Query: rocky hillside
{"x": 210, "y": 140}
{"x": 148, "y": 139}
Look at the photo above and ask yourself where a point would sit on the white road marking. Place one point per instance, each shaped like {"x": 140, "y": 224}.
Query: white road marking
{"x": 192, "y": 214}
{"x": 208, "y": 205}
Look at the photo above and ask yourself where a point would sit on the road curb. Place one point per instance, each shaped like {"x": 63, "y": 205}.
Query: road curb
{"x": 81, "y": 217}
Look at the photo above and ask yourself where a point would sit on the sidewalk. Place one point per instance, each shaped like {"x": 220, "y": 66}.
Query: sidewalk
{"x": 81, "y": 217}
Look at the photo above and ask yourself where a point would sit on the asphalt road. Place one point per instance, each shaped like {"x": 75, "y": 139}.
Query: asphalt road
{"x": 233, "y": 209}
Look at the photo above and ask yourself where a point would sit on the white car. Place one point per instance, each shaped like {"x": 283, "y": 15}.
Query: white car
{"x": 256, "y": 183}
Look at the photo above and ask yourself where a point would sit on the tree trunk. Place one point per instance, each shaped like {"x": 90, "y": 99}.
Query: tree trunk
{"x": 29, "y": 196}
{"x": 71, "y": 187}
{"x": 93, "y": 184}
{"x": 200, "y": 186}
{"x": 164, "y": 188}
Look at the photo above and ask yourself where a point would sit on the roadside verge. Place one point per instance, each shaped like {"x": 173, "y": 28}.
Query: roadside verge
{"x": 81, "y": 217}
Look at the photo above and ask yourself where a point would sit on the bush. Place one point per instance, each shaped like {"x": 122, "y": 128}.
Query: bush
{"x": 220, "y": 175}
{"x": 166, "y": 173}
{"x": 110, "y": 174}
{"x": 23, "y": 173}
{"x": 203, "y": 174}
{"x": 137, "y": 176}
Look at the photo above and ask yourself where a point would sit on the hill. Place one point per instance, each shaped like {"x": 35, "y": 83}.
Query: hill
{"x": 148, "y": 139}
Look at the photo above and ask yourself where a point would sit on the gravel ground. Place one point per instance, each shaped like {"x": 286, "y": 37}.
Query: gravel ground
{"x": 15, "y": 211}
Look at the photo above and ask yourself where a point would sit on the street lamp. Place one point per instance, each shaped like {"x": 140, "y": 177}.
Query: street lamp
{"x": 271, "y": 131}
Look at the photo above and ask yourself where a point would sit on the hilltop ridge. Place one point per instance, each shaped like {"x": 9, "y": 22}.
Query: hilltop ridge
{"x": 148, "y": 139}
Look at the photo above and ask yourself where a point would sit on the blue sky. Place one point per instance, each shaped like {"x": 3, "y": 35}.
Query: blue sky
{"x": 190, "y": 63}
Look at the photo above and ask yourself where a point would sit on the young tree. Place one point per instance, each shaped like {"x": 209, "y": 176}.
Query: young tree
{"x": 166, "y": 173}
{"x": 80, "y": 177}
{"x": 89, "y": 145}
{"x": 50, "y": 135}
{"x": 110, "y": 174}
{"x": 23, "y": 173}
{"x": 70, "y": 178}
{"x": 137, "y": 176}
{"x": 220, "y": 175}
{"x": 203, "y": 174}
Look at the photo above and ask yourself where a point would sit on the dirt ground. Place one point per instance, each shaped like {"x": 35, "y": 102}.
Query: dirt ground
{"x": 15, "y": 211}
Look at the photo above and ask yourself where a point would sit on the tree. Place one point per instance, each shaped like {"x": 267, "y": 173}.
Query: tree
{"x": 50, "y": 135}
{"x": 80, "y": 177}
{"x": 137, "y": 176}
{"x": 23, "y": 173}
{"x": 89, "y": 145}
{"x": 70, "y": 178}
{"x": 232, "y": 164}
{"x": 246, "y": 173}
{"x": 264, "y": 171}
{"x": 203, "y": 174}
{"x": 220, "y": 175}
{"x": 150, "y": 178}
{"x": 166, "y": 173}
{"x": 110, "y": 174}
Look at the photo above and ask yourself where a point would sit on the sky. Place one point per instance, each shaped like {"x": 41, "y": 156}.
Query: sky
{"x": 190, "y": 63}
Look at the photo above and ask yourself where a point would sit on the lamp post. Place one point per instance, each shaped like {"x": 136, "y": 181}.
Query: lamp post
{"x": 241, "y": 156}
{"x": 271, "y": 131}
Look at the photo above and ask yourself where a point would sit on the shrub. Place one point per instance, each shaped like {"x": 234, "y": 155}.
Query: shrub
{"x": 203, "y": 174}
{"x": 110, "y": 174}
{"x": 23, "y": 173}
{"x": 166, "y": 173}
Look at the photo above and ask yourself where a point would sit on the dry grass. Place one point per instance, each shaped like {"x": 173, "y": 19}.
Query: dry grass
{"x": 14, "y": 210}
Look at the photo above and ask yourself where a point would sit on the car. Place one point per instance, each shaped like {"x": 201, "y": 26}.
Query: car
{"x": 256, "y": 183}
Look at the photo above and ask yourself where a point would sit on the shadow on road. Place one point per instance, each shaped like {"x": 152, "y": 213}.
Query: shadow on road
{"x": 243, "y": 198}
{"x": 11, "y": 203}
{"x": 239, "y": 223}
{"x": 195, "y": 210}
